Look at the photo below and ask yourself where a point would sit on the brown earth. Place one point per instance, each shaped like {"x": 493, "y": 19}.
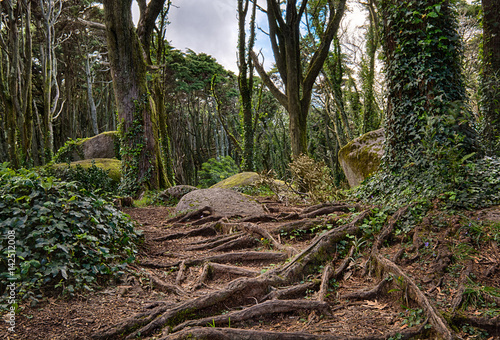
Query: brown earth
{"x": 237, "y": 279}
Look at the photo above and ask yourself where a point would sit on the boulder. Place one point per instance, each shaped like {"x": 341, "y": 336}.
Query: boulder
{"x": 104, "y": 145}
{"x": 224, "y": 202}
{"x": 362, "y": 156}
{"x": 177, "y": 191}
{"x": 239, "y": 180}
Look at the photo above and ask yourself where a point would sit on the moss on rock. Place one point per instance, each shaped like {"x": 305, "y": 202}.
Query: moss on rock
{"x": 111, "y": 164}
{"x": 239, "y": 180}
{"x": 362, "y": 156}
{"x": 103, "y": 145}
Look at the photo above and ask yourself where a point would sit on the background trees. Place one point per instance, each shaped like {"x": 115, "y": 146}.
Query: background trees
{"x": 56, "y": 85}
{"x": 297, "y": 79}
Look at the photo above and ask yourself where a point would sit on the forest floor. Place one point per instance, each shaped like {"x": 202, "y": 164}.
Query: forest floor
{"x": 239, "y": 278}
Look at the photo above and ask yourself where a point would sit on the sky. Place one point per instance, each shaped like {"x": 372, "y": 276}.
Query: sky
{"x": 211, "y": 27}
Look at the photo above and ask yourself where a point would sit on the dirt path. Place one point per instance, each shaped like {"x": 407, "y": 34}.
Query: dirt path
{"x": 238, "y": 278}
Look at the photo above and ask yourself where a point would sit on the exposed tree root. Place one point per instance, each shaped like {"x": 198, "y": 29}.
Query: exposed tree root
{"x": 208, "y": 219}
{"x": 268, "y": 307}
{"x": 215, "y": 333}
{"x": 214, "y": 242}
{"x": 367, "y": 294}
{"x": 237, "y": 257}
{"x": 323, "y": 290}
{"x": 491, "y": 325}
{"x": 203, "y": 231}
{"x": 241, "y": 242}
{"x": 291, "y": 292}
{"x": 188, "y": 215}
{"x": 165, "y": 287}
{"x": 326, "y": 209}
{"x": 319, "y": 250}
{"x": 210, "y": 269}
{"x": 457, "y": 300}
{"x": 300, "y": 225}
{"x": 435, "y": 319}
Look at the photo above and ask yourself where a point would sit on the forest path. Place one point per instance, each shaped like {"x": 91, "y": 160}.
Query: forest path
{"x": 238, "y": 278}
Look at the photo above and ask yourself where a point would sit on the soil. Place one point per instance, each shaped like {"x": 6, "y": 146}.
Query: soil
{"x": 445, "y": 269}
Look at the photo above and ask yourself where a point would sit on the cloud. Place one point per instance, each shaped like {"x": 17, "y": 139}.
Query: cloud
{"x": 208, "y": 26}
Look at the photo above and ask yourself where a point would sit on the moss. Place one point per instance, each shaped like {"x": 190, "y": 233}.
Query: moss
{"x": 238, "y": 180}
{"x": 111, "y": 164}
{"x": 363, "y": 155}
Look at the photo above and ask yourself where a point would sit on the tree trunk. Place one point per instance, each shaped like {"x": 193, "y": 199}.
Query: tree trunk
{"x": 141, "y": 159}
{"x": 284, "y": 32}
{"x": 245, "y": 82}
{"x": 491, "y": 75}
{"x": 426, "y": 93}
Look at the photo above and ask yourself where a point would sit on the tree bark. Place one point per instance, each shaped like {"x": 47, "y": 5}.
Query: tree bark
{"x": 141, "y": 159}
{"x": 491, "y": 74}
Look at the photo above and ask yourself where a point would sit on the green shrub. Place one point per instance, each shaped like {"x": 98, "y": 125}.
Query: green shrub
{"x": 68, "y": 151}
{"x": 93, "y": 179}
{"x": 214, "y": 171}
{"x": 66, "y": 239}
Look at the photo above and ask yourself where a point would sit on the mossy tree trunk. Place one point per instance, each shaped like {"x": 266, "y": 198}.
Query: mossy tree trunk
{"x": 298, "y": 81}
{"x": 142, "y": 166}
{"x": 371, "y": 120}
{"x": 245, "y": 82}
{"x": 491, "y": 74}
{"x": 426, "y": 91}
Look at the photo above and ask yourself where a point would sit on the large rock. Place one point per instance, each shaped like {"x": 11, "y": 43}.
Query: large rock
{"x": 224, "y": 202}
{"x": 104, "y": 145}
{"x": 177, "y": 191}
{"x": 361, "y": 157}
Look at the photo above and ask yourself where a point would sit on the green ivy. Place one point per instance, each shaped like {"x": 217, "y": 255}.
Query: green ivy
{"x": 426, "y": 92}
{"x": 132, "y": 145}
{"x": 66, "y": 239}
{"x": 67, "y": 152}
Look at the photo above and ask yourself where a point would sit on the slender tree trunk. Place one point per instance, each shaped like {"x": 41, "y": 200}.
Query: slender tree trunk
{"x": 90, "y": 95}
{"x": 491, "y": 75}
{"x": 245, "y": 82}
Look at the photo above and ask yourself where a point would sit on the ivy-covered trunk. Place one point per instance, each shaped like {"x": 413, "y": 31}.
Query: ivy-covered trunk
{"x": 141, "y": 159}
{"x": 491, "y": 75}
{"x": 245, "y": 82}
{"x": 426, "y": 115}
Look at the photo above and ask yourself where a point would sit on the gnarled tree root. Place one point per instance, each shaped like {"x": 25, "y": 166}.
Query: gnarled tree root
{"x": 440, "y": 325}
{"x": 215, "y": 333}
{"x": 241, "y": 290}
{"x": 268, "y": 307}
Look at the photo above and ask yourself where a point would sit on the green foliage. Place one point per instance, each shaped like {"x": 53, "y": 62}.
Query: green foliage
{"x": 93, "y": 179}
{"x": 214, "y": 171}
{"x": 456, "y": 183}
{"x": 153, "y": 198}
{"x": 132, "y": 151}
{"x": 66, "y": 239}
{"x": 68, "y": 151}
{"x": 426, "y": 92}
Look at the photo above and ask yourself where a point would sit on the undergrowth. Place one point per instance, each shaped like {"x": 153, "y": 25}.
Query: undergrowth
{"x": 458, "y": 185}
{"x": 66, "y": 238}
